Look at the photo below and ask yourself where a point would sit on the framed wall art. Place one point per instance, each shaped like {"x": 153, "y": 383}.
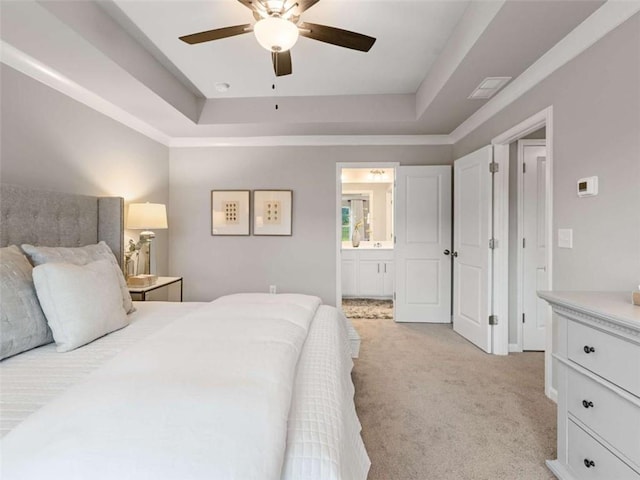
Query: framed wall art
{"x": 230, "y": 212}
{"x": 272, "y": 212}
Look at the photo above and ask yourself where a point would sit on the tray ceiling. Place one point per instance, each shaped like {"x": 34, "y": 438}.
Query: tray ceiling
{"x": 428, "y": 58}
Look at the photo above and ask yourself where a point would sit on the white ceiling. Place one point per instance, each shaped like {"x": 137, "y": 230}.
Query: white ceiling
{"x": 410, "y": 36}
{"x": 124, "y": 58}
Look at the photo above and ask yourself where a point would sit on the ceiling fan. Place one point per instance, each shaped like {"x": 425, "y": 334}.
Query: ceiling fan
{"x": 278, "y": 27}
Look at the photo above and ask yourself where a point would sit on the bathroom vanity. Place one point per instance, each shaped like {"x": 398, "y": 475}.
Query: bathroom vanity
{"x": 367, "y": 271}
{"x": 596, "y": 350}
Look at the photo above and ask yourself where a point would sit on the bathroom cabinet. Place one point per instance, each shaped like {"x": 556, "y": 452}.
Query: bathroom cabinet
{"x": 367, "y": 273}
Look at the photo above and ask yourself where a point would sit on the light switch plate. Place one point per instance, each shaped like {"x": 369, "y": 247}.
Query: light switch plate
{"x": 565, "y": 238}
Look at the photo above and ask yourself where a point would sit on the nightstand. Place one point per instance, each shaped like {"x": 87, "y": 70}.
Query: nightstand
{"x": 167, "y": 289}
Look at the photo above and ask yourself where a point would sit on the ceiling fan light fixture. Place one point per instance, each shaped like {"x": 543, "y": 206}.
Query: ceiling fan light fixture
{"x": 276, "y": 34}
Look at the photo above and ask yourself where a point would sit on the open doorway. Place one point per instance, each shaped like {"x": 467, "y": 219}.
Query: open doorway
{"x": 365, "y": 280}
{"x": 530, "y": 237}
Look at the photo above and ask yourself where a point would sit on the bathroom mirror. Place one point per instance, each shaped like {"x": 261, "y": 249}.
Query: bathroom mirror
{"x": 367, "y": 199}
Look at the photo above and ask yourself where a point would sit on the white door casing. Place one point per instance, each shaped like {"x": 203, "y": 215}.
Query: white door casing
{"x": 423, "y": 233}
{"x": 472, "y": 267}
{"x": 532, "y": 236}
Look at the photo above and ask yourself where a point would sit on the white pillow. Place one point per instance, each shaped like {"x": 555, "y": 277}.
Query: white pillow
{"x": 81, "y": 302}
{"x": 81, "y": 256}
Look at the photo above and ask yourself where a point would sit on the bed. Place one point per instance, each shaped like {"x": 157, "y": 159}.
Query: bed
{"x": 248, "y": 386}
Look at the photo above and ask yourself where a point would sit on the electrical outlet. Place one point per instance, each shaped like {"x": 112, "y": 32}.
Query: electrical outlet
{"x": 272, "y": 289}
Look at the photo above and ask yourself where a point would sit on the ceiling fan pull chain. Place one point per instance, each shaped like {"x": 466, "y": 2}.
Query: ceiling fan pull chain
{"x": 273, "y": 87}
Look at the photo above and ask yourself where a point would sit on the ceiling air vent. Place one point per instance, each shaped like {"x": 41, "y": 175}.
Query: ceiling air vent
{"x": 489, "y": 87}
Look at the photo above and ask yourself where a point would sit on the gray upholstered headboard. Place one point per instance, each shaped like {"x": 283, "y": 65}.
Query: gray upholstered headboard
{"x": 60, "y": 219}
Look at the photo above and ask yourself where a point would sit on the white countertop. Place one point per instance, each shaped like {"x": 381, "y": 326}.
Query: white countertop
{"x": 368, "y": 246}
{"x": 615, "y": 307}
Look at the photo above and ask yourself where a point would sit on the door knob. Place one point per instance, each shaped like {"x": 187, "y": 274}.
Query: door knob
{"x": 447, "y": 252}
{"x": 454, "y": 254}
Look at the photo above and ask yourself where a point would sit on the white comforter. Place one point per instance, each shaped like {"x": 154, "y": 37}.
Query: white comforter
{"x": 206, "y": 397}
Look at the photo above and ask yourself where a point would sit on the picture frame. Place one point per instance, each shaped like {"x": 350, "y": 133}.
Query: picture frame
{"x": 272, "y": 212}
{"x": 230, "y": 212}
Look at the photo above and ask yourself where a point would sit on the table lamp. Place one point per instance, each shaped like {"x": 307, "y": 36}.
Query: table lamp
{"x": 146, "y": 216}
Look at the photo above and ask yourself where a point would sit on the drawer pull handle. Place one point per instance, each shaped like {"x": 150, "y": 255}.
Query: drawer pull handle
{"x": 587, "y": 404}
{"x": 589, "y": 463}
{"x": 587, "y": 349}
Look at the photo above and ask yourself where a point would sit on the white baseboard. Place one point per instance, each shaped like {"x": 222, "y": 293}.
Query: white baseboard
{"x": 513, "y": 347}
{"x": 553, "y": 394}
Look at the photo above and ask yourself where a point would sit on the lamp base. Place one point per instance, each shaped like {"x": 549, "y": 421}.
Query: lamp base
{"x": 146, "y": 238}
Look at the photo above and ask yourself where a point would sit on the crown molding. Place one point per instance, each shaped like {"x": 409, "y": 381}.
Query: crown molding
{"x": 11, "y": 56}
{"x": 611, "y": 15}
{"x": 311, "y": 140}
{"x": 15, "y": 58}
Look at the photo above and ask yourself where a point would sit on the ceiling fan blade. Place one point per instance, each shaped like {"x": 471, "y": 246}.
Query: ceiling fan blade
{"x": 281, "y": 63}
{"x": 248, "y": 3}
{"x": 337, "y": 36}
{"x": 216, "y": 34}
{"x": 302, "y": 5}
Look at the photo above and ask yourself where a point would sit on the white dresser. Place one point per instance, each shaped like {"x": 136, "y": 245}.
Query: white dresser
{"x": 597, "y": 358}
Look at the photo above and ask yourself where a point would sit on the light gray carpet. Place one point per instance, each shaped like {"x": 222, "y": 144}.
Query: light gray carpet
{"x": 433, "y": 406}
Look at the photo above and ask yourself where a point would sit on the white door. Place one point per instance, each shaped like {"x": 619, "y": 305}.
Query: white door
{"x": 423, "y": 234}
{"x": 472, "y": 213}
{"x": 533, "y": 243}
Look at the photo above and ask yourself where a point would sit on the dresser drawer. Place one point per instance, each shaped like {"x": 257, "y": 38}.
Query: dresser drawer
{"x": 612, "y": 417}
{"x": 612, "y": 358}
{"x": 584, "y": 449}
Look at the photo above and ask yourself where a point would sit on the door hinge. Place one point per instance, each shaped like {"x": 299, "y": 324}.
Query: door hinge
{"x": 395, "y": 239}
{"x": 394, "y": 296}
{"x": 493, "y": 319}
{"x": 493, "y": 243}
{"x": 524, "y": 243}
{"x": 524, "y": 167}
{"x": 523, "y": 318}
{"x": 494, "y": 167}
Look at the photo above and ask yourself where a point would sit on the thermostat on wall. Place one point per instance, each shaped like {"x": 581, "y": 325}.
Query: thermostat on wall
{"x": 587, "y": 187}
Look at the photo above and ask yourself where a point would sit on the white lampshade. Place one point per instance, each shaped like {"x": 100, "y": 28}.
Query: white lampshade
{"x": 276, "y": 34}
{"x": 145, "y": 216}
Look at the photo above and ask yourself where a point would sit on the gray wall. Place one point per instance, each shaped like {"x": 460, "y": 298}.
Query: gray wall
{"x": 52, "y": 142}
{"x": 305, "y": 262}
{"x": 596, "y": 131}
